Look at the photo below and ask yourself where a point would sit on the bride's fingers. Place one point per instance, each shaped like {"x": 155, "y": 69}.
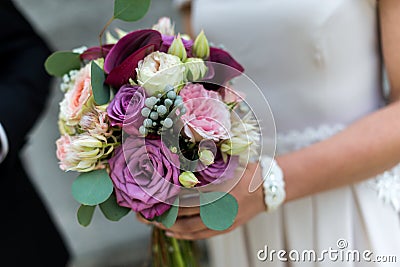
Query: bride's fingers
{"x": 188, "y": 225}
{"x": 202, "y": 234}
{"x": 188, "y": 211}
{"x": 141, "y": 219}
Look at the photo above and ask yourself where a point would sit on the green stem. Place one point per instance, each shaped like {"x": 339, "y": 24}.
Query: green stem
{"x": 177, "y": 253}
{"x": 102, "y": 32}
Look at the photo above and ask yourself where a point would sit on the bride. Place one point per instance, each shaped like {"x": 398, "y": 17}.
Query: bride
{"x": 320, "y": 65}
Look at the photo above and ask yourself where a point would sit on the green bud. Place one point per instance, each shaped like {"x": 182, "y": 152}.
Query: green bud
{"x": 206, "y": 157}
{"x": 235, "y": 146}
{"x": 201, "y": 48}
{"x": 177, "y": 48}
{"x": 188, "y": 179}
{"x": 195, "y": 69}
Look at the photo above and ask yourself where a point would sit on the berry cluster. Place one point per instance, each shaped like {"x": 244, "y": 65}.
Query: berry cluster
{"x": 156, "y": 111}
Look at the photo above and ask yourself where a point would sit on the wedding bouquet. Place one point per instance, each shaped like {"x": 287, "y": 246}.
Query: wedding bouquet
{"x": 149, "y": 120}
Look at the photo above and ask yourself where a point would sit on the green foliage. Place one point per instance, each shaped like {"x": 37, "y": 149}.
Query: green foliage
{"x": 92, "y": 188}
{"x": 61, "y": 62}
{"x": 85, "y": 214}
{"x": 130, "y": 10}
{"x": 101, "y": 92}
{"x": 112, "y": 210}
{"x": 168, "y": 218}
{"x": 218, "y": 210}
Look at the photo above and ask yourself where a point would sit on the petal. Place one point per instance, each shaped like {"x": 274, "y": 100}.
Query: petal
{"x": 129, "y": 44}
{"x": 96, "y": 52}
{"x": 127, "y": 69}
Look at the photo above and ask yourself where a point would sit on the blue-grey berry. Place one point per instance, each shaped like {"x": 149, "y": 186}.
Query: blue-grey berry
{"x": 168, "y": 88}
{"x": 168, "y": 102}
{"x": 168, "y": 123}
{"x": 143, "y": 130}
{"x": 147, "y": 123}
{"x": 150, "y": 102}
{"x": 162, "y": 110}
{"x": 145, "y": 112}
{"x": 171, "y": 95}
{"x": 154, "y": 115}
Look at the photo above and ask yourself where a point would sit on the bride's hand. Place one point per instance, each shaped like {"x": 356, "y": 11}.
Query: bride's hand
{"x": 189, "y": 224}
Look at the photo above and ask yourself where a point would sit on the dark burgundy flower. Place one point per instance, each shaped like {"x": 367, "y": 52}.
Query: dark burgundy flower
{"x": 123, "y": 58}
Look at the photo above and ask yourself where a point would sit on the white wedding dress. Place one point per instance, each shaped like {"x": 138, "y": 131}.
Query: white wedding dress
{"x": 318, "y": 65}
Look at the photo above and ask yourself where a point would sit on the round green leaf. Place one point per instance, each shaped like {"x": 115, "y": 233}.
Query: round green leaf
{"x": 101, "y": 92}
{"x": 130, "y": 10}
{"x": 112, "y": 210}
{"x": 218, "y": 210}
{"x": 168, "y": 218}
{"x": 61, "y": 62}
{"x": 85, "y": 214}
{"x": 92, "y": 188}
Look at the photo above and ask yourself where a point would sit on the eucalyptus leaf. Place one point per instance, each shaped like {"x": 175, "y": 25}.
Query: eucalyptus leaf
{"x": 61, "y": 62}
{"x": 218, "y": 210}
{"x": 101, "y": 92}
{"x": 112, "y": 210}
{"x": 168, "y": 218}
{"x": 92, "y": 188}
{"x": 131, "y": 10}
{"x": 85, "y": 214}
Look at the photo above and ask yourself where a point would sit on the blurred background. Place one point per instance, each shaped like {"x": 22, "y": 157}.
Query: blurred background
{"x": 66, "y": 25}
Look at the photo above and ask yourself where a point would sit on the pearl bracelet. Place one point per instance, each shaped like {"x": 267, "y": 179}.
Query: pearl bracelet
{"x": 273, "y": 183}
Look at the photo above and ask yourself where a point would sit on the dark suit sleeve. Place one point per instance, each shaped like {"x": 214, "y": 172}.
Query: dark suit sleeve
{"x": 24, "y": 84}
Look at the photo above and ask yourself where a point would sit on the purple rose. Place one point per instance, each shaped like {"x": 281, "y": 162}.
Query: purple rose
{"x": 125, "y": 109}
{"x": 145, "y": 175}
{"x": 219, "y": 171}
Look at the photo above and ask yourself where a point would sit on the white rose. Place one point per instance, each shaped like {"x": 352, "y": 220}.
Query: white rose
{"x": 158, "y": 70}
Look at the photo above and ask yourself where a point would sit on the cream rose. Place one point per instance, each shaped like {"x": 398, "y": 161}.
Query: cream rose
{"x": 157, "y": 70}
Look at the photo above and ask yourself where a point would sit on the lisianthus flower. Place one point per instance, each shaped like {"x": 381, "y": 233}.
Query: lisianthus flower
{"x": 125, "y": 108}
{"x": 76, "y": 97}
{"x": 158, "y": 70}
{"x": 207, "y": 116}
{"x": 219, "y": 171}
{"x": 145, "y": 175}
{"x": 82, "y": 153}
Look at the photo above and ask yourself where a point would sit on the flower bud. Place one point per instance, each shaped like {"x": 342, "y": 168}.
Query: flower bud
{"x": 206, "y": 157}
{"x": 188, "y": 179}
{"x": 201, "y": 48}
{"x": 164, "y": 26}
{"x": 234, "y": 146}
{"x": 177, "y": 48}
{"x": 195, "y": 69}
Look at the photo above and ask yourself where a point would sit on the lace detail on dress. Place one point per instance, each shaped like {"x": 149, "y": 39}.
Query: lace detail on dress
{"x": 387, "y": 184}
{"x": 295, "y": 140}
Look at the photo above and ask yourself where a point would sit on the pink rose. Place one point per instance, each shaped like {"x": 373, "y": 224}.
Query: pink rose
{"x": 72, "y": 105}
{"x": 63, "y": 144}
{"x": 207, "y": 116}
